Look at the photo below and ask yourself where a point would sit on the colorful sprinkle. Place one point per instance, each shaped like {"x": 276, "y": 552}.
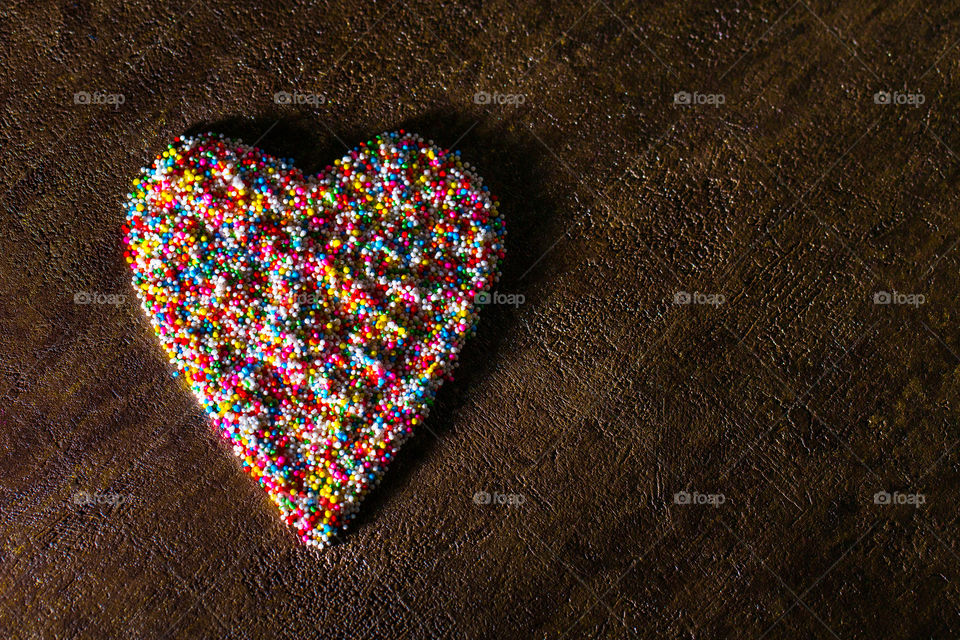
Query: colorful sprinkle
{"x": 314, "y": 318}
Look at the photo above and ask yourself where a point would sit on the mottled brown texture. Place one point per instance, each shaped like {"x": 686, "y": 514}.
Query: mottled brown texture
{"x": 597, "y": 400}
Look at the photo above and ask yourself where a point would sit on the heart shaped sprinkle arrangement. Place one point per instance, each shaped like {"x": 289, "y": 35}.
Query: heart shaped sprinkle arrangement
{"x": 314, "y": 318}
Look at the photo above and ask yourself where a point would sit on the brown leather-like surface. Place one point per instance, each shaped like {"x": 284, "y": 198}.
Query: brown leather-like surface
{"x": 785, "y": 200}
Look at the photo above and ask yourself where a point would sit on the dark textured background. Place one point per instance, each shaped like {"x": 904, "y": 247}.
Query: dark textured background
{"x": 597, "y": 399}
